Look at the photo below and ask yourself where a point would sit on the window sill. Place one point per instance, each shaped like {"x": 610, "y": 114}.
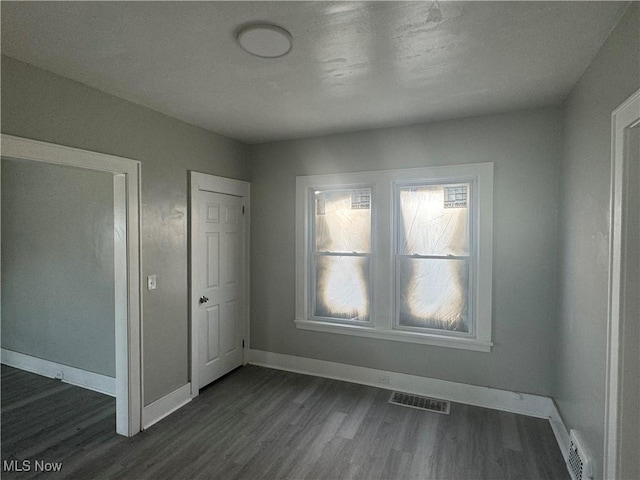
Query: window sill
{"x": 396, "y": 335}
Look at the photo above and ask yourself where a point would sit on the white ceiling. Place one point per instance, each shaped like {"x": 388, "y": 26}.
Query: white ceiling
{"x": 353, "y": 66}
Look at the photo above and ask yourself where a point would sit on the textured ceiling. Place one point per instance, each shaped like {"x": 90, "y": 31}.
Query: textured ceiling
{"x": 353, "y": 66}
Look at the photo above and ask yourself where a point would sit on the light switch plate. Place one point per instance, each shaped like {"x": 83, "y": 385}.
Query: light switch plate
{"x": 151, "y": 282}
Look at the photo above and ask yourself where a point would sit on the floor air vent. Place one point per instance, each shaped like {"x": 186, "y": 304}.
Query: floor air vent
{"x": 421, "y": 403}
{"x": 578, "y": 462}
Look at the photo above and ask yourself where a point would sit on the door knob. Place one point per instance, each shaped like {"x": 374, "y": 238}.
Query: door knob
{"x": 203, "y": 299}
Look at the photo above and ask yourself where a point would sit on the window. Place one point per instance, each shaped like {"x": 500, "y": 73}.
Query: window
{"x": 403, "y": 255}
{"x": 341, "y": 251}
{"x": 432, "y": 257}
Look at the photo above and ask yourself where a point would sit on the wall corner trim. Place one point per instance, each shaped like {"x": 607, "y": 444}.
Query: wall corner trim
{"x": 514, "y": 402}
{"x": 165, "y": 406}
{"x": 72, "y": 375}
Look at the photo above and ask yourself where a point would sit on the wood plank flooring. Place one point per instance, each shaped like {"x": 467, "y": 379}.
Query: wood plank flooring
{"x": 258, "y": 423}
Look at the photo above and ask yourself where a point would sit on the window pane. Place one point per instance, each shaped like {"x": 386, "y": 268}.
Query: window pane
{"x": 434, "y": 293}
{"x": 434, "y": 220}
{"x": 343, "y": 220}
{"x": 342, "y": 287}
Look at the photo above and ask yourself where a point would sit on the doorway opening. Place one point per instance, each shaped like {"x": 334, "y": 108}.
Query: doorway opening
{"x": 622, "y": 402}
{"x": 125, "y": 174}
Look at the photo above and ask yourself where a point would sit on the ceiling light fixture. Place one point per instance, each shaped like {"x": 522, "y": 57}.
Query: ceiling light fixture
{"x": 267, "y": 41}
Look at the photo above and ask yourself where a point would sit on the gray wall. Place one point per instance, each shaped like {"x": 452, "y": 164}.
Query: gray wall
{"x": 43, "y": 106}
{"x": 525, "y": 148}
{"x": 57, "y": 264}
{"x": 579, "y": 382}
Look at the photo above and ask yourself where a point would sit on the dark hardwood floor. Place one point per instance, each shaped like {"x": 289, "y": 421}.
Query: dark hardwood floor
{"x": 262, "y": 423}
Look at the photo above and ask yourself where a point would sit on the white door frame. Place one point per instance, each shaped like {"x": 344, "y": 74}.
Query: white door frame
{"x": 228, "y": 186}
{"x": 128, "y": 314}
{"x": 623, "y": 117}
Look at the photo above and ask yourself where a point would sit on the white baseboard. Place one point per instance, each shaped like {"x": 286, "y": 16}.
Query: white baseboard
{"x": 560, "y": 431}
{"x": 72, "y": 375}
{"x": 165, "y": 406}
{"x": 522, "y": 403}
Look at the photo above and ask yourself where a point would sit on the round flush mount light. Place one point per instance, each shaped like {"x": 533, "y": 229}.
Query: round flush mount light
{"x": 267, "y": 41}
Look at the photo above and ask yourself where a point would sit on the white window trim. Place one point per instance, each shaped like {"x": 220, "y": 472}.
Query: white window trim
{"x": 383, "y": 255}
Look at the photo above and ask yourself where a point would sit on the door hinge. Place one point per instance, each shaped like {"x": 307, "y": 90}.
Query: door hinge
{"x": 243, "y": 209}
{"x": 243, "y": 343}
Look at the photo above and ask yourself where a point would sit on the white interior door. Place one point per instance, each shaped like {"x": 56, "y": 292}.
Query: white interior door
{"x": 218, "y": 275}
